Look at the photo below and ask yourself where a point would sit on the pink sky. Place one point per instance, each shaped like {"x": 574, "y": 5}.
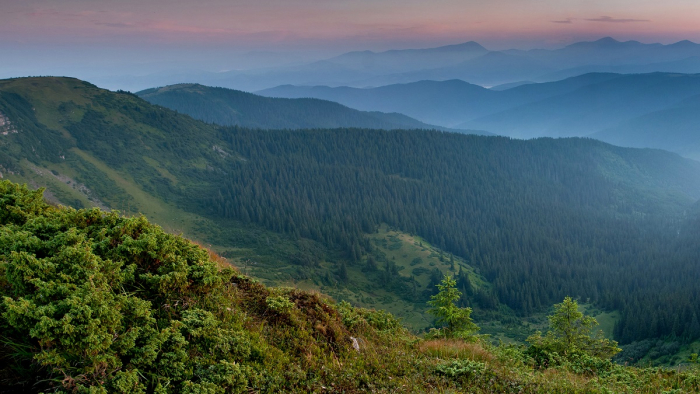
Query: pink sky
{"x": 88, "y": 38}
{"x": 352, "y": 24}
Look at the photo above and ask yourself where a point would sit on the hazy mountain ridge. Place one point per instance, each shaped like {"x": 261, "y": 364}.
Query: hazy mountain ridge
{"x": 393, "y": 61}
{"x": 585, "y": 105}
{"x": 469, "y": 61}
{"x": 231, "y": 107}
{"x": 445, "y": 102}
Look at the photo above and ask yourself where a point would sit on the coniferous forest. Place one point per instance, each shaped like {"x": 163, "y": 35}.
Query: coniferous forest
{"x": 537, "y": 219}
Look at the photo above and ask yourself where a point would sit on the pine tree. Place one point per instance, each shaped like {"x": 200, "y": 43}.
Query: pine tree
{"x": 571, "y": 332}
{"x": 457, "y": 321}
{"x": 343, "y": 273}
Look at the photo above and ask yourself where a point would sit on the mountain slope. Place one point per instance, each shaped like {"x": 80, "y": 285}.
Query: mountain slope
{"x": 410, "y": 59}
{"x": 521, "y": 224}
{"x": 676, "y": 128}
{"x": 442, "y": 102}
{"x": 231, "y": 107}
{"x": 596, "y": 105}
{"x": 492, "y": 68}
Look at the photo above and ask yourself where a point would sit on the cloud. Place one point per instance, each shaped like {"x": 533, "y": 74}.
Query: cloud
{"x": 565, "y": 21}
{"x": 616, "y": 20}
{"x": 53, "y": 13}
{"x": 118, "y": 25}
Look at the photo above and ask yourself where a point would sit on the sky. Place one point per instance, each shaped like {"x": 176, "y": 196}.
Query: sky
{"x": 238, "y": 34}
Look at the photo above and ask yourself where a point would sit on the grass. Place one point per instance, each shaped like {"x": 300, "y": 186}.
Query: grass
{"x": 606, "y": 321}
{"x": 162, "y": 171}
{"x": 413, "y": 254}
{"x": 170, "y": 218}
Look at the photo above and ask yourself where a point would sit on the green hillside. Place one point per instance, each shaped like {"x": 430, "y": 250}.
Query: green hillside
{"x": 520, "y": 224}
{"x": 236, "y": 108}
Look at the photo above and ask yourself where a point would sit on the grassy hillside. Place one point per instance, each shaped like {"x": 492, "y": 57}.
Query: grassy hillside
{"x": 94, "y": 302}
{"x": 524, "y": 223}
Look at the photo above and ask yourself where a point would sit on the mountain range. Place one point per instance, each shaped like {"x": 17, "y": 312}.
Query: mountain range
{"x": 469, "y": 61}
{"x": 656, "y": 110}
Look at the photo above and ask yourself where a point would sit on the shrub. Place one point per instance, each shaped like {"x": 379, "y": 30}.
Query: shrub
{"x": 93, "y": 300}
{"x": 280, "y": 304}
{"x": 461, "y": 368}
{"x": 570, "y": 339}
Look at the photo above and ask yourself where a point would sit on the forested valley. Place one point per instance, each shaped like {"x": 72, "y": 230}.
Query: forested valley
{"x": 537, "y": 218}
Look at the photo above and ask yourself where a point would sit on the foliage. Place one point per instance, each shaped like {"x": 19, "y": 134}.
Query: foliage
{"x": 361, "y": 318}
{"x": 95, "y": 299}
{"x": 538, "y": 219}
{"x": 457, "y": 321}
{"x": 458, "y": 368}
{"x": 570, "y": 337}
{"x": 279, "y": 304}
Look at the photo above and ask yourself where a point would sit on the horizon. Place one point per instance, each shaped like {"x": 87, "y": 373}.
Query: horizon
{"x": 253, "y": 59}
{"x": 107, "y": 37}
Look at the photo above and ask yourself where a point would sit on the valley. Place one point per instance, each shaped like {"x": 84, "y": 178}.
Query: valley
{"x": 544, "y": 205}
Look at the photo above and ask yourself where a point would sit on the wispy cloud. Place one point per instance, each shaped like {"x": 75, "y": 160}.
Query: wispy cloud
{"x": 54, "y": 13}
{"x": 567, "y": 21}
{"x": 616, "y": 20}
{"x": 118, "y": 25}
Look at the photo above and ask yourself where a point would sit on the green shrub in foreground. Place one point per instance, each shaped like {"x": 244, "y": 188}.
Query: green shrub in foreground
{"x": 94, "y": 299}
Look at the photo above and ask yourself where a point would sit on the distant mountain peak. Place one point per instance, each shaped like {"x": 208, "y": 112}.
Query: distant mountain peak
{"x": 365, "y": 52}
{"x": 683, "y": 44}
{"x": 458, "y": 83}
{"x": 604, "y": 43}
{"x": 607, "y": 40}
{"x": 469, "y": 45}
{"x": 497, "y": 55}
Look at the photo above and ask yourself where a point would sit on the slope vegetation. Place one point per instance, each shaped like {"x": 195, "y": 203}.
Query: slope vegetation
{"x": 522, "y": 224}
{"x": 94, "y": 302}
